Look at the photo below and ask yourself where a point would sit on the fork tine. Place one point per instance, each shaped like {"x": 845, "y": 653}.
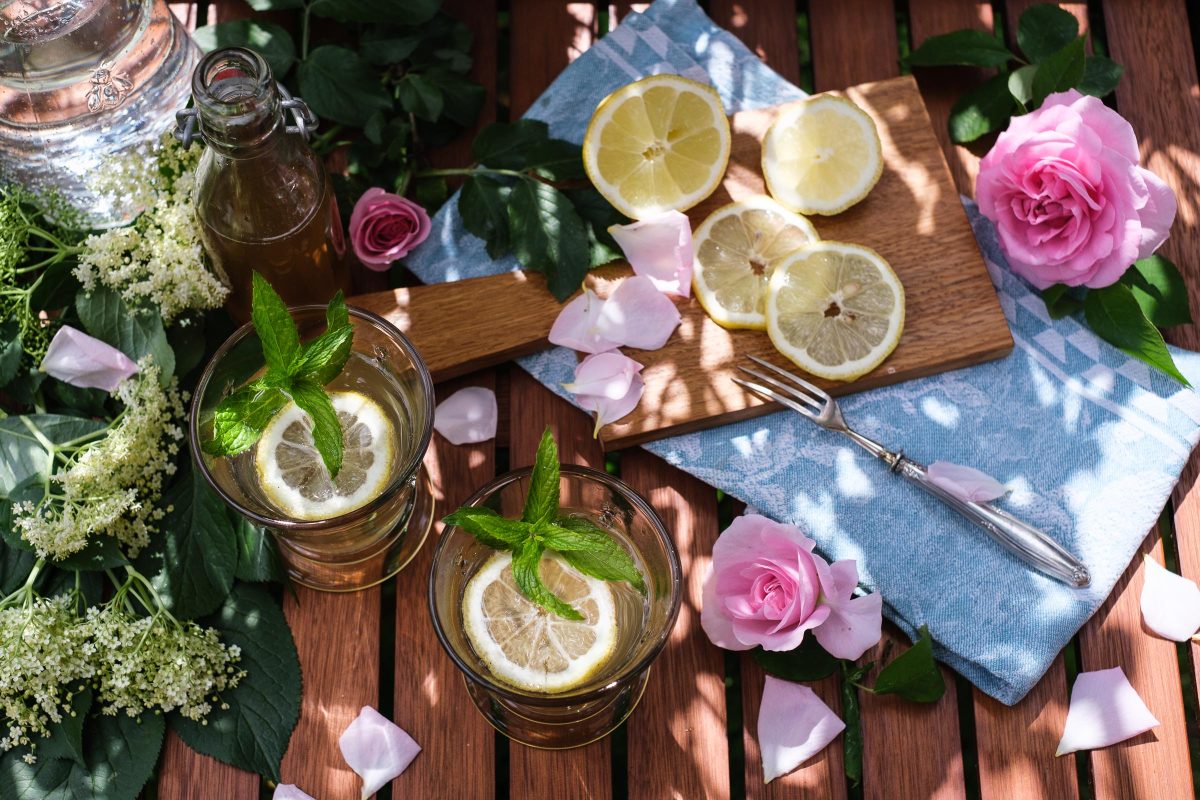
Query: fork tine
{"x": 768, "y": 394}
{"x": 821, "y": 393}
{"x": 790, "y": 391}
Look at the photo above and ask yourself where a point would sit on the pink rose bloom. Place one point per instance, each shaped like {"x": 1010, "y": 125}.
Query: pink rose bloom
{"x": 1068, "y": 198}
{"x": 768, "y": 588}
{"x": 385, "y": 227}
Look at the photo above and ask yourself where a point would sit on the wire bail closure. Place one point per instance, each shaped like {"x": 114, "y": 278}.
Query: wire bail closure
{"x": 187, "y": 122}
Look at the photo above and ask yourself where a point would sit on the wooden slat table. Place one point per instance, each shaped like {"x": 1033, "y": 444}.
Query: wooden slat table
{"x": 693, "y": 736}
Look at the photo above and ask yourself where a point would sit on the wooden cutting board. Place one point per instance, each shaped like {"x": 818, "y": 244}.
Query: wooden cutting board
{"x": 912, "y": 217}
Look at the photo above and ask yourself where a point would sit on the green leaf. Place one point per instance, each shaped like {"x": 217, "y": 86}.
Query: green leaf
{"x": 463, "y": 98}
{"x": 506, "y": 145}
{"x": 420, "y": 97}
{"x": 852, "y": 738}
{"x": 547, "y": 235}
{"x": 323, "y": 358}
{"x": 22, "y": 455}
{"x": 1115, "y": 316}
{"x": 1160, "y": 291}
{"x": 275, "y": 327}
{"x": 913, "y": 674}
{"x": 1020, "y": 84}
{"x": 984, "y": 109}
{"x": 1061, "y": 300}
{"x": 253, "y": 732}
{"x": 413, "y": 12}
{"x": 337, "y": 316}
{"x": 1100, "y": 76}
{"x": 55, "y": 288}
{"x": 968, "y": 47}
{"x": 272, "y": 41}
{"x": 808, "y": 662}
{"x": 242, "y": 417}
{"x": 11, "y": 350}
{"x": 1045, "y": 29}
{"x": 15, "y": 563}
{"x": 1059, "y": 71}
{"x": 483, "y": 205}
{"x": 101, "y": 552}
{"x": 526, "y": 562}
{"x": 541, "y": 503}
{"x": 135, "y": 332}
{"x": 188, "y": 344}
{"x": 598, "y": 216}
{"x": 382, "y": 49}
{"x": 192, "y": 562}
{"x": 326, "y": 430}
{"x": 592, "y": 550}
{"x": 341, "y": 86}
{"x": 556, "y": 160}
{"x": 119, "y": 757}
{"x": 66, "y": 736}
{"x": 258, "y": 558}
{"x": 490, "y": 528}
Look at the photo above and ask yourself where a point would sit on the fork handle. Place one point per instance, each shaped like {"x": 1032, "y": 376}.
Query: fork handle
{"x": 1019, "y": 538}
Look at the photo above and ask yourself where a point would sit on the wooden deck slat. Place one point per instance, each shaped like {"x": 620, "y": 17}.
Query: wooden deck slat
{"x": 677, "y": 742}
{"x": 546, "y": 36}
{"x": 584, "y": 773}
{"x": 768, "y": 27}
{"x": 184, "y": 774}
{"x": 853, "y": 41}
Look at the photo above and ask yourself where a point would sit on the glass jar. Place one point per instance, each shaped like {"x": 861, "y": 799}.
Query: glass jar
{"x": 82, "y": 81}
{"x": 263, "y": 199}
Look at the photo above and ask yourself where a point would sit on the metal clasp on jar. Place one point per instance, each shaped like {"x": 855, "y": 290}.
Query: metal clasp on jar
{"x": 187, "y": 121}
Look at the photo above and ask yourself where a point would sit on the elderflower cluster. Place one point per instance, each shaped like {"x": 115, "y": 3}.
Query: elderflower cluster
{"x": 45, "y": 652}
{"x": 159, "y": 258}
{"x": 109, "y": 486}
{"x": 159, "y": 663}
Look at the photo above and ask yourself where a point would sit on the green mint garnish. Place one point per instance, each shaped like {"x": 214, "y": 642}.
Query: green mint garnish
{"x": 294, "y": 372}
{"x": 585, "y": 546}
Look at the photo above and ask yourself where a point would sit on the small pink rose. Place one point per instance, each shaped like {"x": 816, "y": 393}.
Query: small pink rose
{"x": 385, "y": 227}
{"x": 1070, "y": 202}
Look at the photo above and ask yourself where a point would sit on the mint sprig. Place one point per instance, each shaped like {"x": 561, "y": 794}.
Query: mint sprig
{"x": 294, "y": 372}
{"x": 584, "y": 545}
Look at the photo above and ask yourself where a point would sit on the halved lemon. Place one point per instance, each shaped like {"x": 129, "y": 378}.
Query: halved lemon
{"x": 822, "y": 155}
{"x": 835, "y": 309}
{"x": 658, "y": 144}
{"x": 737, "y": 249}
{"x": 294, "y": 478}
{"x": 529, "y": 647}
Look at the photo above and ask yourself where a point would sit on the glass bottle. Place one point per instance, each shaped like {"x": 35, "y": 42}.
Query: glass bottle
{"x": 263, "y": 199}
{"x": 82, "y": 81}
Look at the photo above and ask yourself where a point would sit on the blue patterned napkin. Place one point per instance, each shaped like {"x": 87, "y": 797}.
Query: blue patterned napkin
{"x": 1090, "y": 441}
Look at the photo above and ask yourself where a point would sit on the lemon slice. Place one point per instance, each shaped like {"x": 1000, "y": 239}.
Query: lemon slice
{"x": 529, "y": 647}
{"x": 294, "y": 478}
{"x": 657, "y": 144}
{"x": 835, "y": 309}
{"x": 822, "y": 155}
{"x": 737, "y": 249}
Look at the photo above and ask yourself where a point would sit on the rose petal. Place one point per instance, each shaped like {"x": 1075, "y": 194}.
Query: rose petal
{"x": 576, "y": 325}
{"x": 966, "y": 483}
{"x": 854, "y": 624}
{"x": 659, "y": 248}
{"x": 793, "y": 726}
{"x": 714, "y": 619}
{"x": 1157, "y": 215}
{"x": 638, "y": 315}
{"x": 1105, "y": 709}
{"x": 377, "y": 749}
{"x": 607, "y": 375}
{"x": 467, "y": 416}
{"x": 289, "y": 791}
{"x": 1170, "y": 603}
{"x": 612, "y": 409}
{"x": 86, "y": 362}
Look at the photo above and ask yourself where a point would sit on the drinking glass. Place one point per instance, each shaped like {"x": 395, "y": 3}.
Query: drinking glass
{"x": 592, "y": 710}
{"x": 375, "y": 541}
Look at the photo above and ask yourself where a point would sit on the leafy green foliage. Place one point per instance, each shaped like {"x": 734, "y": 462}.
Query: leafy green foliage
{"x": 1160, "y": 291}
{"x": 541, "y": 502}
{"x": 136, "y": 333}
{"x": 497, "y": 532}
{"x": 1044, "y": 30}
{"x": 808, "y": 662}
{"x": 258, "y": 557}
{"x": 1061, "y": 300}
{"x": 66, "y": 736}
{"x": 592, "y": 550}
{"x": 1060, "y": 71}
{"x": 913, "y": 674}
{"x": 326, "y": 430}
{"x": 339, "y": 84}
{"x": 272, "y": 41}
{"x": 966, "y": 47}
{"x": 984, "y": 109}
{"x": 1116, "y": 317}
{"x": 1100, "y": 76}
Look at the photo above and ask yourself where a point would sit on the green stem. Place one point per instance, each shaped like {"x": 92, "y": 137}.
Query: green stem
{"x": 304, "y": 26}
{"x": 444, "y": 173}
{"x": 25, "y": 593}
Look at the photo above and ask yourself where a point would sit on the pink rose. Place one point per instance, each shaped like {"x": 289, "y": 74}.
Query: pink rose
{"x": 768, "y": 588}
{"x": 385, "y": 227}
{"x": 1070, "y": 203}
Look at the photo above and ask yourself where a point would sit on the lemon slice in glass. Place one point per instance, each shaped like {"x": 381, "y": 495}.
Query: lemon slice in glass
{"x": 294, "y": 478}
{"x": 822, "y": 155}
{"x": 529, "y": 647}
{"x": 737, "y": 249}
{"x": 658, "y": 144}
{"x": 835, "y": 309}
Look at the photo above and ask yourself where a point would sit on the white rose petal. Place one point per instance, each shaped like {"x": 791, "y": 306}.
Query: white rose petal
{"x": 1170, "y": 603}
{"x": 966, "y": 483}
{"x": 638, "y": 315}
{"x": 289, "y": 791}
{"x": 468, "y": 416}
{"x": 377, "y": 749}
{"x": 659, "y": 248}
{"x": 1105, "y": 709}
{"x": 793, "y": 726}
{"x": 576, "y": 326}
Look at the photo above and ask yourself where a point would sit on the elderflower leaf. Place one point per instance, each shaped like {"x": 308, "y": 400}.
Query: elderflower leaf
{"x": 136, "y": 333}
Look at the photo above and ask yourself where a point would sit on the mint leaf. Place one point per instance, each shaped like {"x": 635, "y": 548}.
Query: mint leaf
{"x": 526, "y": 561}
{"x": 490, "y": 528}
{"x": 807, "y": 662}
{"x": 275, "y": 327}
{"x": 984, "y": 109}
{"x": 322, "y": 358}
{"x": 326, "y": 429}
{"x": 506, "y": 145}
{"x": 1059, "y": 71}
{"x": 336, "y": 314}
{"x": 913, "y": 674}
{"x": 1060, "y": 300}
{"x": 1114, "y": 314}
{"x": 242, "y": 417}
{"x": 1100, "y": 76}
{"x": 592, "y": 550}
{"x": 967, "y": 47}
{"x": 1045, "y": 29}
{"x": 1160, "y": 290}
{"x": 483, "y": 205}
{"x": 541, "y": 503}
{"x": 547, "y": 235}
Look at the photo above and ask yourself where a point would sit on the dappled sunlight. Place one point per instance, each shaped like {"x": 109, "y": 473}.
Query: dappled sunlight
{"x": 431, "y": 688}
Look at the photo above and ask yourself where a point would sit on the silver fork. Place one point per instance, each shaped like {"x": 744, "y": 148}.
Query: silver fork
{"x": 1022, "y": 540}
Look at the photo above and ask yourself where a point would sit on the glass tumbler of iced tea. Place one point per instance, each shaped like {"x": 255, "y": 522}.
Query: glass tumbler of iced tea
{"x": 538, "y": 678}
{"x": 364, "y": 526}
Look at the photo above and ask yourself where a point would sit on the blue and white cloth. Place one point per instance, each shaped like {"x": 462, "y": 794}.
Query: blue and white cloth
{"x": 1089, "y": 441}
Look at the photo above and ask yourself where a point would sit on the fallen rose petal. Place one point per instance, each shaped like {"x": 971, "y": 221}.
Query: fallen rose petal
{"x": 86, "y": 362}
{"x": 289, "y": 791}
{"x": 606, "y": 375}
{"x": 1170, "y": 603}
{"x": 659, "y": 248}
{"x": 854, "y": 624}
{"x": 576, "y": 325}
{"x": 966, "y": 483}
{"x": 467, "y": 416}
{"x": 609, "y": 409}
{"x": 377, "y": 749}
{"x": 1105, "y": 709}
{"x": 638, "y": 315}
{"x": 793, "y": 726}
